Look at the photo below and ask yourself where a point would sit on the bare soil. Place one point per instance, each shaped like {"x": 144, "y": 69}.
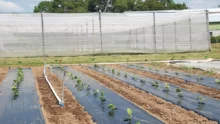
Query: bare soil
{"x": 71, "y": 113}
{"x": 193, "y": 87}
{"x": 3, "y": 73}
{"x": 163, "y": 110}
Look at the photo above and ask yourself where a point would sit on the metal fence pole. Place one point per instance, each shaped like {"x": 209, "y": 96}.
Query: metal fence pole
{"x": 136, "y": 39}
{"x": 93, "y": 31}
{"x": 144, "y": 37}
{"x": 130, "y": 44}
{"x": 100, "y": 26}
{"x": 154, "y": 32}
{"x": 81, "y": 38}
{"x": 208, "y": 34}
{"x": 163, "y": 36}
{"x": 77, "y": 39}
{"x": 190, "y": 34}
{"x": 175, "y": 36}
{"x": 42, "y": 25}
{"x": 87, "y": 34}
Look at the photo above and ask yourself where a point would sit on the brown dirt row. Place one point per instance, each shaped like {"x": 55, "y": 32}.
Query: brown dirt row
{"x": 3, "y": 73}
{"x": 71, "y": 113}
{"x": 193, "y": 87}
{"x": 174, "y": 68}
{"x": 163, "y": 110}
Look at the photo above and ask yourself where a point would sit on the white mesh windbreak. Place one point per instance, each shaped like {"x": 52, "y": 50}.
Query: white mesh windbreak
{"x": 80, "y": 34}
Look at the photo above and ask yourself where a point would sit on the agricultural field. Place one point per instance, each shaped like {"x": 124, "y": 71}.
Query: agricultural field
{"x": 124, "y": 93}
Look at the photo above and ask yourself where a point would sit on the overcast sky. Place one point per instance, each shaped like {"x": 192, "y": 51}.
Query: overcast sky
{"x": 28, "y": 5}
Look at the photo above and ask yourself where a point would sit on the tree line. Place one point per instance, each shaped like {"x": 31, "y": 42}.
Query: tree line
{"x": 83, "y": 6}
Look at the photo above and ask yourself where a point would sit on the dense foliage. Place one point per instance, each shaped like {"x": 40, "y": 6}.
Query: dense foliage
{"x": 82, "y": 6}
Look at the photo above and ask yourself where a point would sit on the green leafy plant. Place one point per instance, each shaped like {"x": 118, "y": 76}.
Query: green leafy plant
{"x": 179, "y": 92}
{"x": 137, "y": 123}
{"x": 126, "y": 75}
{"x": 109, "y": 69}
{"x": 176, "y": 73}
{"x": 113, "y": 71}
{"x": 112, "y": 107}
{"x": 157, "y": 70}
{"x": 119, "y": 73}
{"x": 129, "y": 112}
{"x": 95, "y": 92}
{"x": 199, "y": 78}
{"x": 217, "y": 81}
{"x": 167, "y": 87}
{"x": 134, "y": 78}
{"x": 201, "y": 100}
{"x": 102, "y": 97}
{"x": 88, "y": 87}
{"x": 155, "y": 84}
{"x": 16, "y": 83}
{"x": 166, "y": 71}
{"x": 95, "y": 66}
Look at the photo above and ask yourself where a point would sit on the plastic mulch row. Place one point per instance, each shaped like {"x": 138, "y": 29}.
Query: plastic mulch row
{"x": 202, "y": 80}
{"x": 98, "y": 110}
{"x": 189, "y": 100}
{"x": 25, "y": 109}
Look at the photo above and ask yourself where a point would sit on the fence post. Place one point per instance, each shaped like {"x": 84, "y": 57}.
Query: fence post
{"x": 208, "y": 34}
{"x": 100, "y": 26}
{"x": 87, "y": 34}
{"x": 175, "y": 36}
{"x": 42, "y": 25}
{"x": 81, "y": 35}
{"x": 93, "y": 31}
{"x": 154, "y": 30}
{"x": 77, "y": 42}
{"x": 190, "y": 34}
{"x": 136, "y": 39}
{"x": 144, "y": 38}
{"x": 163, "y": 36}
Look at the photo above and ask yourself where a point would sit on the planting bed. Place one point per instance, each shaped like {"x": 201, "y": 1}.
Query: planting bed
{"x": 71, "y": 113}
{"x": 23, "y": 109}
{"x": 189, "y": 100}
{"x": 158, "y": 107}
{"x": 203, "y": 80}
{"x": 3, "y": 73}
{"x": 85, "y": 94}
{"x": 193, "y": 87}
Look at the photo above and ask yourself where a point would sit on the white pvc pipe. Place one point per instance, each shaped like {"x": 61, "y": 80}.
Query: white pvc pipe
{"x": 51, "y": 87}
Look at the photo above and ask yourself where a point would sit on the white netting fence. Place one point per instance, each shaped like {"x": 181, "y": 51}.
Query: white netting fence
{"x": 92, "y": 33}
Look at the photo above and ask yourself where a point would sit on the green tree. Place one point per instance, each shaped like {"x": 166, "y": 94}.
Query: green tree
{"x": 120, "y": 5}
{"x": 43, "y": 6}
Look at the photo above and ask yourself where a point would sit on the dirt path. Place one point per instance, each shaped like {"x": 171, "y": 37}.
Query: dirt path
{"x": 3, "y": 73}
{"x": 163, "y": 110}
{"x": 71, "y": 113}
{"x": 193, "y": 87}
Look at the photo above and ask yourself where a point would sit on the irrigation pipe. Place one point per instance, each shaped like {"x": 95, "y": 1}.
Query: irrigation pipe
{"x": 61, "y": 103}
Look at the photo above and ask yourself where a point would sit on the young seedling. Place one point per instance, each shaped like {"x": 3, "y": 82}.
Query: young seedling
{"x": 112, "y": 107}
{"x": 167, "y": 87}
{"x": 75, "y": 77}
{"x": 199, "y": 78}
{"x": 134, "y": 78}
{"x": 137, "y": 123}
{"x": 95, "y": 66}
{"x": 109, "y": 69}
{"x": 176, "y": 73}
{"x": 166, "y": 71}
{"x": 217, "y": 81}
{"x": 201, "y": 100}
{"x": 95, "y": 92}
{"x": 88, "y": 87}
{"x": 126, "y": 75}
{"x": 179, "y": 92}
{"x": 155, "y": 84}
{"x": 129, "y": 111}
{"x": 113, "y": 71}
{"x": 157, "y": 70}
{"x": 102, "y": 97}
{"x": 119, "y": 73}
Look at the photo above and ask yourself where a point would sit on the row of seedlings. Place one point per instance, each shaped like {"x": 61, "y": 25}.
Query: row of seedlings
{"x": 101, "y": 95}
{"x": 214, "y": 83}
{"x": 17, "y": 82}
{"x": 212, "y": 103}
